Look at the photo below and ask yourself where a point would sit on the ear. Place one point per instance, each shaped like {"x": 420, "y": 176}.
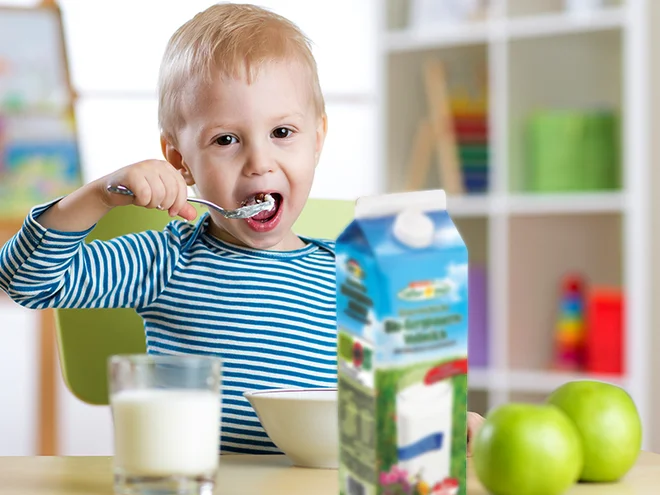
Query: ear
{"x": 321, "y": 131}
{"x": 175, "y": 159}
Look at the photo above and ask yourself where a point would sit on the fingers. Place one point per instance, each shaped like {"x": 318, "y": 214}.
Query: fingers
{"x": 474, "y": 423}
{"x": 141, "y": 188}
{"x": 188, "y": 212}
{"x": 171, "y": 192}
{"x": 180, "y": 201}
{"x": 150, "y": 181}
{"x": 158, "y": 192}
{"x": 155, "y": 184}
{"x": 175, "y": 200}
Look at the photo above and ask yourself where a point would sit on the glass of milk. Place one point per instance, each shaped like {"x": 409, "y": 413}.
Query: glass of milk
{"x": 166, "y": 416}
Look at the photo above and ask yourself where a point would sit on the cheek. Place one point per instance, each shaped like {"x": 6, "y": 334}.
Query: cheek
{"x": 305, "y": 159}
{"x": 212, "y": 179}
{"x": 301, "y": 183}
{"x": 303, "y": 167}
{"x": 216, "y": 188}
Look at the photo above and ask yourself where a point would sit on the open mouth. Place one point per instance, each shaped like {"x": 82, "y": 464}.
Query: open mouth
{"x": 268, "y": 219}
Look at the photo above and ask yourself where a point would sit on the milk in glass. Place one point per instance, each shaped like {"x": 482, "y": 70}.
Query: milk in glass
{"x": 166, "y": 432}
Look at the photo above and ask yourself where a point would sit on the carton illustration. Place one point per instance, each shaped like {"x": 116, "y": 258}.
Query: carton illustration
{"x": 402, "y": 306}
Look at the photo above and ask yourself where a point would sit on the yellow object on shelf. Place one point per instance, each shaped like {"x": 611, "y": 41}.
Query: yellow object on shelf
{"x": 571, "y": 327}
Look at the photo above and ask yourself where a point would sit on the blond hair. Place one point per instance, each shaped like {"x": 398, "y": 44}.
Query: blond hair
{"x": 235, "y": 40}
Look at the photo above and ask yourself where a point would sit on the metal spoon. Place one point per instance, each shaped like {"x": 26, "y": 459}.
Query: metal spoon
{"x": 243, "y": 212}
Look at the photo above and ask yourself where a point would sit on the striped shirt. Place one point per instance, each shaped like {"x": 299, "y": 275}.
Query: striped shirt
{"x": 269, "y": 315}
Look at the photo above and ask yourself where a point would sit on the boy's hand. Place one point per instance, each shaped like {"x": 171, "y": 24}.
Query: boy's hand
{"x": 474, "y": 422}
{"x": 154, "y": 183}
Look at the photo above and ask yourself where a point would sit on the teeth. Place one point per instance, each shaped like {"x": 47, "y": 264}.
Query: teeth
{"x": 258, "y": 198}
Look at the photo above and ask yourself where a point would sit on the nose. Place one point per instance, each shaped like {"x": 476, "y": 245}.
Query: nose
{"x": 258, "y": 162}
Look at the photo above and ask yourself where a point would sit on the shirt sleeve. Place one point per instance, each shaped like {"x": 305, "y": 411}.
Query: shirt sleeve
{"x": 45, "y": 268}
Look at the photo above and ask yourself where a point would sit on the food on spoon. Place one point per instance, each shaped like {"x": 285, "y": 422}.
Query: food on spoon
{"x": 260, "y": 198}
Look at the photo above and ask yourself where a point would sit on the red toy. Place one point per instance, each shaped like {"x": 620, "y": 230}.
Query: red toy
{"x": 605, "y": 332}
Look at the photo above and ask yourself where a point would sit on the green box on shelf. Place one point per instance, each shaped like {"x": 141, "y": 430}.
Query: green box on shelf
{"x": 571, "y": 150}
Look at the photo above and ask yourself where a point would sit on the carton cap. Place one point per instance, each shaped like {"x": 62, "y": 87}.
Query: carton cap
{"x": 414, "y": 229}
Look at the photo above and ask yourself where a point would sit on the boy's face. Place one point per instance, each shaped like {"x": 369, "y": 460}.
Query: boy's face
{"x": 243, "y": 139}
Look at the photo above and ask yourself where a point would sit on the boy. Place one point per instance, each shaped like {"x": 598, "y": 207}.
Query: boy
{"x": 241, "y": 114}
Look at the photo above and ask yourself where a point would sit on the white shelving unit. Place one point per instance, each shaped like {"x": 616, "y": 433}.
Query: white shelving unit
{"x": 534, "y": 204}
{"x": 537, "y": 54}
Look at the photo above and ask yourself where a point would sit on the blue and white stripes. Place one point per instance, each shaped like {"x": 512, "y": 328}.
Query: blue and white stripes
{"x": 270, "y": 316}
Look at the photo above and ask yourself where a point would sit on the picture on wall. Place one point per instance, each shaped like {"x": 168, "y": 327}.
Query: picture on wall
{"x": 39, "y": 156}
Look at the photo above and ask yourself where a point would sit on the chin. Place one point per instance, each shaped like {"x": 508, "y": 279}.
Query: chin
{"x": 263, "y": 243}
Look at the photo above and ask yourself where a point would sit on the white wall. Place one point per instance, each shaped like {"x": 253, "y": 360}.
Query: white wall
{"x": 82, "y": 429}
{"x": 19, "y": 374}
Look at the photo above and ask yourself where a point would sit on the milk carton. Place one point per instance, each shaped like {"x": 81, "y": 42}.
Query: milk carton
{"x": 402, "y": 306}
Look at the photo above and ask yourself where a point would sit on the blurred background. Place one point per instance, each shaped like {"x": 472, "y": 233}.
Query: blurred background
{"x": 536, "y": 116}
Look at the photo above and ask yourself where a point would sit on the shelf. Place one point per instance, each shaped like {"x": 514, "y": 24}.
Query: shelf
{"x": 531, "y": 381}
{"x": 533, "y": 26}
{"x": 580, "y": 203}
{"x": 580, "y": 72}
{"x": 536, "y": 204}
{"x": 479, "y": 379}
{"x": 536, "y": 58}
{"x": 547, "y": 381}
{"x": 447, "y": 36}
{"x": 559, "y": 24}
{"x": 469, "y": 206}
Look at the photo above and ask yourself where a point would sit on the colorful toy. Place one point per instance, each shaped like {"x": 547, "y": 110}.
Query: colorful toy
{"x": 605, "y": 331}
{"x": 456, "y": 129}
{"x": 571, "y": 327}
{"x": 471, "y": 129}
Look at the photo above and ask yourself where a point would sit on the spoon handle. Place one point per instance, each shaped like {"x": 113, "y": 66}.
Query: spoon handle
{"x": 119, "y": 189}
{"x": 244, "y": 212}
{"x": 207, "y": 203}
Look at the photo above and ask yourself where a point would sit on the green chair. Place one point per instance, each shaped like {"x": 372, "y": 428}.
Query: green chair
{"x": 87, "y": 337}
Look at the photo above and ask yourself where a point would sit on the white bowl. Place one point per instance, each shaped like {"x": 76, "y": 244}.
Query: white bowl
{"x": 303, "y": 423}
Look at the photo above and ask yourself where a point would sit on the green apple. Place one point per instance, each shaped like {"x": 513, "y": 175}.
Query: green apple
{"x": 527, "y": 449}
{"x": 608, "y": 423}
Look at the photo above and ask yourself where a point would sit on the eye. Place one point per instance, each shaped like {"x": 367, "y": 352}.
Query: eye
{"x": 225, "y": 140}
{"x": 282, "y": 133}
